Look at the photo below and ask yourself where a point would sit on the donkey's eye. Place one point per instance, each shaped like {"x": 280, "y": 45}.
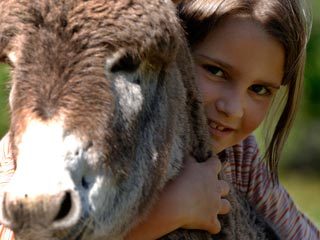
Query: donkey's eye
{"x": 5, "y": 60}
{"x": 10, "y": 59}
{"x": 127, "y": 63}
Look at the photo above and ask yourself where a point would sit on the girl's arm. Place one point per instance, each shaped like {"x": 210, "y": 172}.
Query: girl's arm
{"x": 192, "y": 201}
{"x": 275, "y": 203}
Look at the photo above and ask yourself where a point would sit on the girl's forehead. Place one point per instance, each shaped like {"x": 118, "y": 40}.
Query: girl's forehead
{"x": 244, "y": 47}
{"x": 240, "y": 24}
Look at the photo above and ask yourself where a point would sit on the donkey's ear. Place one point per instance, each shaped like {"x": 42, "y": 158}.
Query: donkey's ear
{"x": 4, "y": 41}
{"x": 8, "y": 24}
{"x": 4, "y": 38}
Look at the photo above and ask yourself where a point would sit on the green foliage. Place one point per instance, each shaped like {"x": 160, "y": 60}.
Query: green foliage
{"x": 312, "y": 83}
{"x": 4, "y": 118}
{"x": 303, "y": 149}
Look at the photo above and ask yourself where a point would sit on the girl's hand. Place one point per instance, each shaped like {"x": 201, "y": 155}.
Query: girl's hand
{"x": 193, "y": 201}
{"x": 197, "y": 195}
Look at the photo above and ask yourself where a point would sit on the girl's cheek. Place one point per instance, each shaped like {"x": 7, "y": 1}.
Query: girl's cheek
{"x": 208, "y": 88}
{"x": 256, "y": 113}
{"x": 205, "y": 88}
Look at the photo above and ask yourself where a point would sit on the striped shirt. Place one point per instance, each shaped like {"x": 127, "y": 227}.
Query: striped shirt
{"x": 248, "y": 174}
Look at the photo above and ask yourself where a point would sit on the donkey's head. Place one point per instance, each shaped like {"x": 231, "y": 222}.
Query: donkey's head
{"x": 93, "y": 83}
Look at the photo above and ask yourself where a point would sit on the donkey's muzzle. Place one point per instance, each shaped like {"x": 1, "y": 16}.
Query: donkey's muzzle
{"x": 54, "y": 212}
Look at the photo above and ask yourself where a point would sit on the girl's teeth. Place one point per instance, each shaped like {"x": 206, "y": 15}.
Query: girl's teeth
{"x": 214, "y": 125}
{"x": 220, "y": 128}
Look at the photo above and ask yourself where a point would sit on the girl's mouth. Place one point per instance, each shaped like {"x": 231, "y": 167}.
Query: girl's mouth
{"x": 218, "y": 129}
{"x": 216, "y": 126}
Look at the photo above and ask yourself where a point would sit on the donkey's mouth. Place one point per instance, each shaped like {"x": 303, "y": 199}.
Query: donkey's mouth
{"x": 78, "y": 232}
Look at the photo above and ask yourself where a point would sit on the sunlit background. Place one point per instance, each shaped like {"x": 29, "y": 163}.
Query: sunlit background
{"x": 300, "y": 164}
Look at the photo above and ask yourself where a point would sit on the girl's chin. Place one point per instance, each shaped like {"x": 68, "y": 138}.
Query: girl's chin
{"x": 216, "y": 148}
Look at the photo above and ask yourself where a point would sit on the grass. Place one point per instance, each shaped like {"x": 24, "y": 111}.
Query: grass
{"x": 305, "y": 191}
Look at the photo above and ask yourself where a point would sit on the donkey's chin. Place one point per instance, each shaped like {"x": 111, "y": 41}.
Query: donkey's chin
{"x": 37, "y": 232}
{"x": 80, "y": 231}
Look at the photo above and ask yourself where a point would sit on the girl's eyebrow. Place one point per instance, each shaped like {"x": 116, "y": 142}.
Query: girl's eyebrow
{"x": 268, "y": 84}
{"x": 217, "y": 61}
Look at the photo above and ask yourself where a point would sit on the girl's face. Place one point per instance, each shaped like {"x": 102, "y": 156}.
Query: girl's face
{"x": 239, "y": 68}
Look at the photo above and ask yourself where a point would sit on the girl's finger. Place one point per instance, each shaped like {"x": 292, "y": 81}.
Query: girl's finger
{"x": 214, "y": 164}
{"x": 224, "y": 188}
{"x": 215, "y": 226}
{"x": 225, "y": 206}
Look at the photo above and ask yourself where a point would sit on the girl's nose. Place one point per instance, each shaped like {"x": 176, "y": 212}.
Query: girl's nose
{"x": 231, "y": 106}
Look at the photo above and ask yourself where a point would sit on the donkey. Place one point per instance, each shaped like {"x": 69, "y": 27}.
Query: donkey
{"x": 103, "y": 109}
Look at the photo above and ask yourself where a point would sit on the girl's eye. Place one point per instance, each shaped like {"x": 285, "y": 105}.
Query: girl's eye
{"x": 260, "y": 90}
{"x": 213, "y": 70}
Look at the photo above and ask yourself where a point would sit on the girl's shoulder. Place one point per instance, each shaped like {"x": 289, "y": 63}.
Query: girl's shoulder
{"x": 245, "y": 151}
{"x": 239, "y": 161}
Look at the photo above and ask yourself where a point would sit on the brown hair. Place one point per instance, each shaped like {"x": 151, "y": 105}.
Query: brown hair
{"x": 288, "y": 21}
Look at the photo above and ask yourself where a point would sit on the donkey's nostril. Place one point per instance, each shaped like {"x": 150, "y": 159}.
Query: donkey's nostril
{"x": 65, "y": 207}
{"x": 84, "y": 183}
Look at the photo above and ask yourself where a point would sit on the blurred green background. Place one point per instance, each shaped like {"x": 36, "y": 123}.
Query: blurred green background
{"x": 300, "y": 164}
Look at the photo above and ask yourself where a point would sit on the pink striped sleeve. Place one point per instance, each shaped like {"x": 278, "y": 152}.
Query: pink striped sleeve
{"x": 6, "y": 172}
{"x": 274, "y": 202}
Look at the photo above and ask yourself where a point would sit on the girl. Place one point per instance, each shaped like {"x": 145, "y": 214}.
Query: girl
{"x": 244, "y": 51}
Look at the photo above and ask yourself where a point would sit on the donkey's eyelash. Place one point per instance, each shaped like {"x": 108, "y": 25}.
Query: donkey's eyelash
{"x": 7, "y": 61}
{"x": 127, "y": 63}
